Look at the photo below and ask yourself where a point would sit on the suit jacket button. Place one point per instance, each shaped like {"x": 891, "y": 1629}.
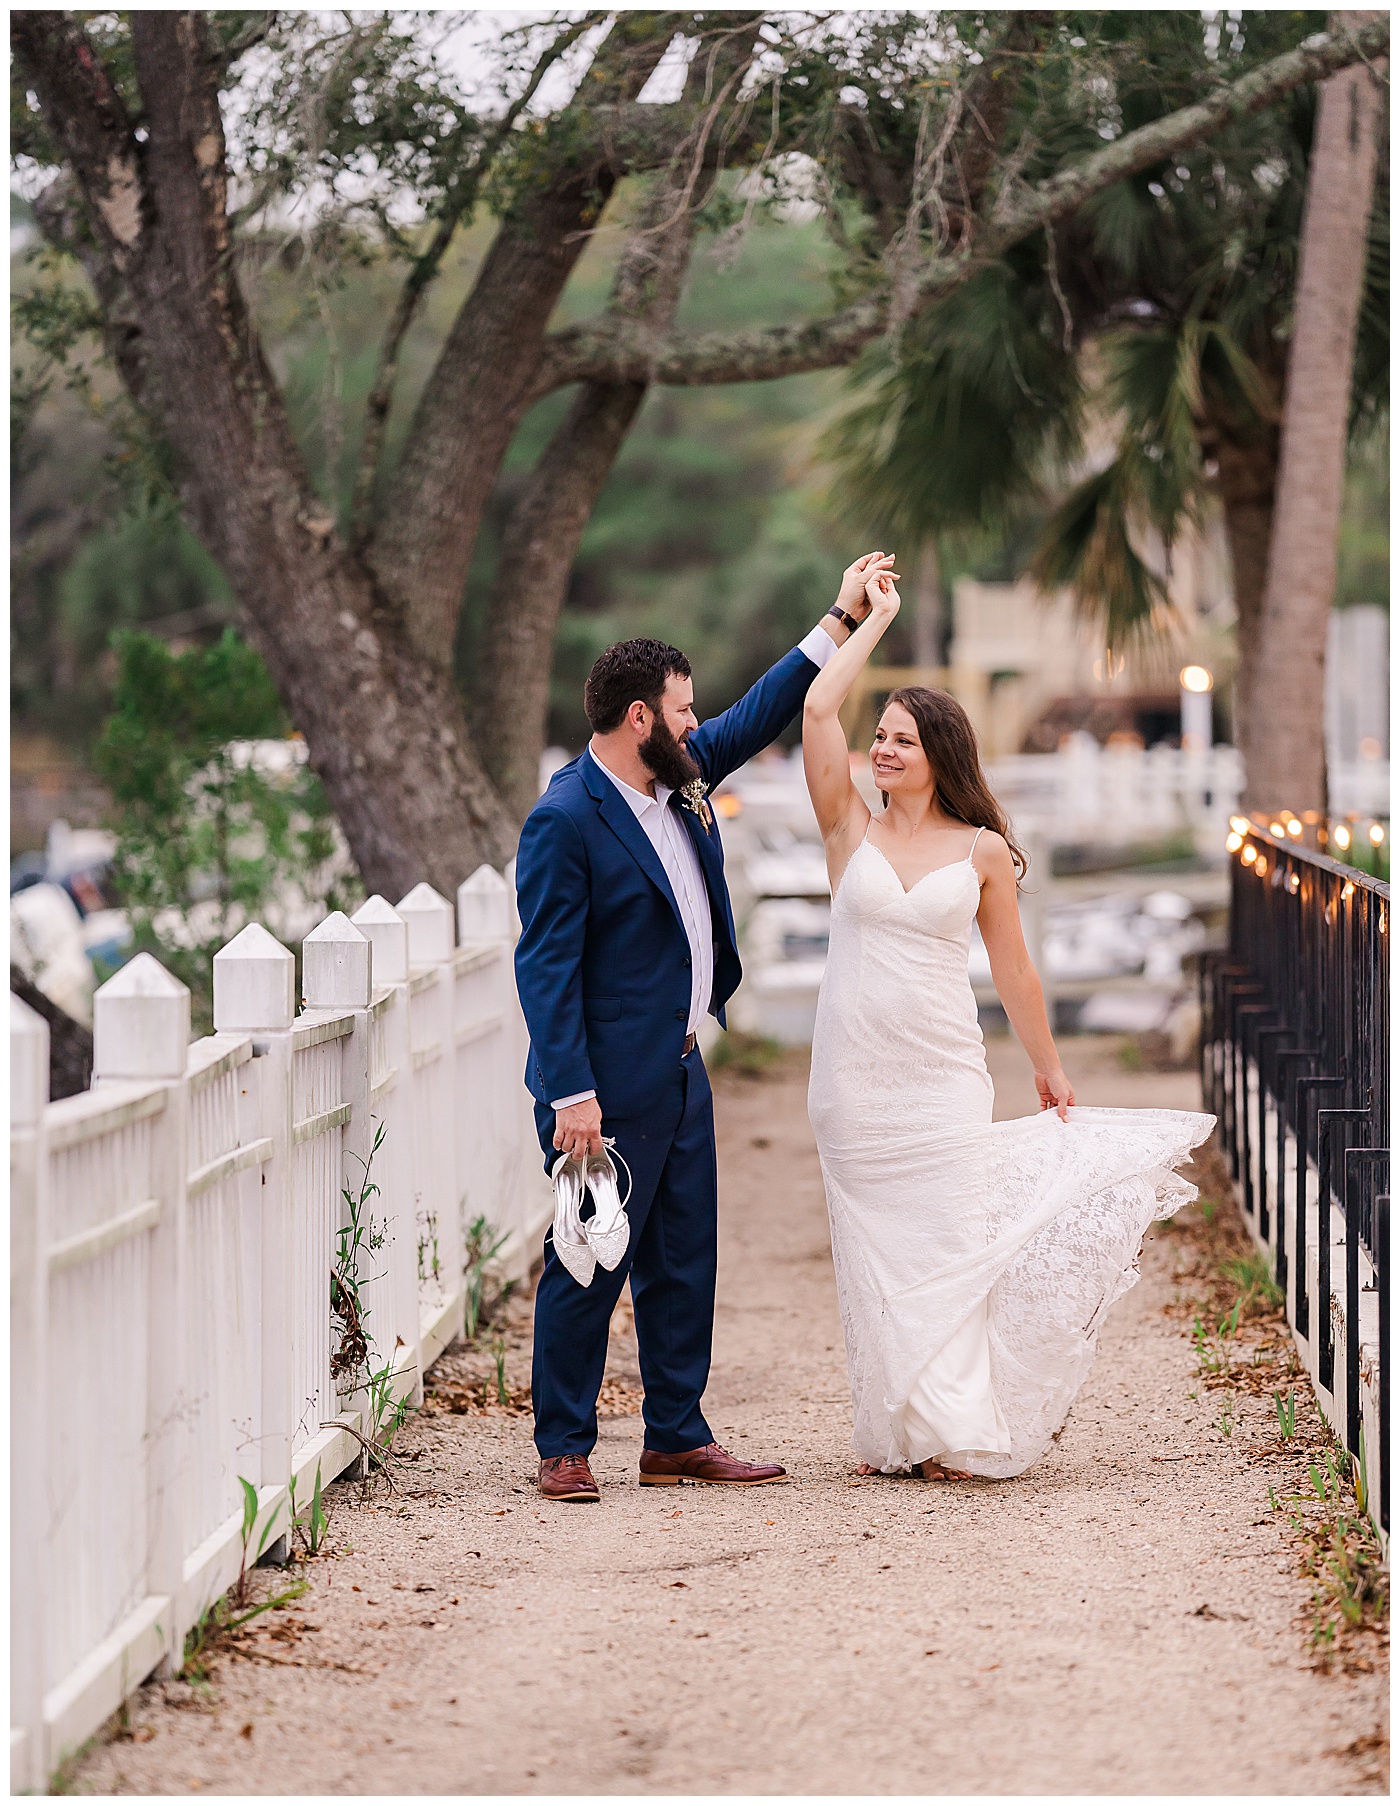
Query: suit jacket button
{"x": 685, "y": 959}
{"x": 682, "y": 1015}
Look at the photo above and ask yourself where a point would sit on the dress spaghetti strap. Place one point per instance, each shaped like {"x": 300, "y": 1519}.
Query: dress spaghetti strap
{"x": 973, "y": 848}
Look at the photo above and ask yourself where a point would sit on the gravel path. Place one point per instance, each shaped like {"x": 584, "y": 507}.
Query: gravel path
{"x": 1121, "y": 1620}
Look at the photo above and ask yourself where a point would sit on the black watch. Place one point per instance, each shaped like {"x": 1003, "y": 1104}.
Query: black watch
{"x": 850, "y": 621}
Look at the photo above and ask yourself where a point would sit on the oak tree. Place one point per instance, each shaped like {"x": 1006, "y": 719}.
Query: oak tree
{"x": 173, "y": 137}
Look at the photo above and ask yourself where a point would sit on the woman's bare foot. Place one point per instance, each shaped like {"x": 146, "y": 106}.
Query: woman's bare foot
{"x": 865, "y": 1468}
{"x": 935, "y": 1470}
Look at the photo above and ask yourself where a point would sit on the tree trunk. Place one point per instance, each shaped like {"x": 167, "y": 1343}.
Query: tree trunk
{"x": 930, "y": 634}
{"x": 1283, "y": 734}
{"x": 532, "y": 577}
{"x": 1247, "y": 472}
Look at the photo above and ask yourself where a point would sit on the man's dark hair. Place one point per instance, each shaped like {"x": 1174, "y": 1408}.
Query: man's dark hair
{"x": 632, "y": 671}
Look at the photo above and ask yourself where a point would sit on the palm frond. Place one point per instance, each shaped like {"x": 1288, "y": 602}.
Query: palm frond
{"x": 965, "y": 417}
{"x": 1087, "y": 547}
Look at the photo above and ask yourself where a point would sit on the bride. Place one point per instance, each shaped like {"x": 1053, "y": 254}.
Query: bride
{"x": 975, "y": 1261}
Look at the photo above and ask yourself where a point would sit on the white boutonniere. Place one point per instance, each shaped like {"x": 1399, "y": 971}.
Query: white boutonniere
{"x": 693, "y": 796}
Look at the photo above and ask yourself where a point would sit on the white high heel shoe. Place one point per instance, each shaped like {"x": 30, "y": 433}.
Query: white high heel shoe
{"x": 608, "y": 1230}
{"x": 570, "y": 1242}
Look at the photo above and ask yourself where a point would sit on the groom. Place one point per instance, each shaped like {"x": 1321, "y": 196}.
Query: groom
{"x": 627, "y": 940}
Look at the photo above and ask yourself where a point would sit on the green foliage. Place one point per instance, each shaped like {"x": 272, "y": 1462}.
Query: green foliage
{"x": 220, "y": 1623}
{"x": 483, "y": 1246}
{"x": 974, "y": 406}
{"x": 359, "y": 1235}
{"x": 744, "y": 1053}
{"x": 1253, "y": 1274}
{"x": 1363, "y": 553}
{"x": 1179, "y": 278}
{"x": 309, "y": 1526}
{"x": 206, "y": 840}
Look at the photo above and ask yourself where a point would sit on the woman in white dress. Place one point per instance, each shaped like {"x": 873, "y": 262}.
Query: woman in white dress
{"x": 974, "y": 1260}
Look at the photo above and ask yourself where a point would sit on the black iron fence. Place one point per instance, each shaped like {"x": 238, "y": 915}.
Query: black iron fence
{"x": 1295, "y": 1063}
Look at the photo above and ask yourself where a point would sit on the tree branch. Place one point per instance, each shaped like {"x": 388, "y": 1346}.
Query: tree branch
{"x": 604, "y": 351}
{"x": 89, "y": 119}
{"x": 483, "y": 382}
{"x": 424, "y": 268}
{"x": 545, "y": 526}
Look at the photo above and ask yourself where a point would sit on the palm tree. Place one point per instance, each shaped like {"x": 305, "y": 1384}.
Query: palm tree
{"x": 1285, "y": 750}
{"x": 1181, "y": 282}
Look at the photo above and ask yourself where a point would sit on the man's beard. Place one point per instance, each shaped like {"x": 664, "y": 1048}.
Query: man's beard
{"x": 666, "y": 759}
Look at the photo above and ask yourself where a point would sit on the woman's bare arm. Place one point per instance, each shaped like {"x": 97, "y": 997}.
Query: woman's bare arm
{"x": 841, "y": 815}
{"x": 1015, "y": 977}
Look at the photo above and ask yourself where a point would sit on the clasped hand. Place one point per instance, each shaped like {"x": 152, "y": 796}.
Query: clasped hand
{"x": 855, "y": 597}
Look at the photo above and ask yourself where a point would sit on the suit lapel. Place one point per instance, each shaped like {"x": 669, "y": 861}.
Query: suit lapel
{"x": 618, "y": 815}
{"x": 707, "y": 851}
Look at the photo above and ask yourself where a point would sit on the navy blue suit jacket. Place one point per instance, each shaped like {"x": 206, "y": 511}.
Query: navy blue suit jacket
{"x": 603, "y": 963}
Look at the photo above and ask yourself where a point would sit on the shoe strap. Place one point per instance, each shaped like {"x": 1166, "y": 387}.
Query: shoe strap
{"x": 611, "y": 1149}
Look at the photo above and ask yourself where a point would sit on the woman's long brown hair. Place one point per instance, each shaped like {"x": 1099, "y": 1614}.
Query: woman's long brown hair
{"x": 950, "y": 745}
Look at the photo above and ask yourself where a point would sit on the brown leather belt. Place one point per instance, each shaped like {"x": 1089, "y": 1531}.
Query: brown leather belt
{"x": 689, "y": 1047}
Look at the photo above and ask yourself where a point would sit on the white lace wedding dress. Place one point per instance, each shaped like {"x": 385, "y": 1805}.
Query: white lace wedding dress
{"x": 975, "y": 1261}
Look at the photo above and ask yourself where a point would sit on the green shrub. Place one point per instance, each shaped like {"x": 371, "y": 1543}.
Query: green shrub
{"x": 208, "y": 838}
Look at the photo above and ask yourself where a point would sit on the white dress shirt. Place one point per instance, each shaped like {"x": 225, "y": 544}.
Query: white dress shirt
{"x": 668, "y": 834}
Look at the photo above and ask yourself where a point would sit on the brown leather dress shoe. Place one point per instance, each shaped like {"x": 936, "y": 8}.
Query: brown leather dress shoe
{"x": 710, "y": 1466}
{"x": 568, "y": 1477}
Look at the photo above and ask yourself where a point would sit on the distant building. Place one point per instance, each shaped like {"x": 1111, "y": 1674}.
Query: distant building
{"x": 1358, "y": 684}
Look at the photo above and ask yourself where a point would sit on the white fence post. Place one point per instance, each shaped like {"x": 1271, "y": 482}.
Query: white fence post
{"x": 431, "y": 959}
{"x": 337, "y": 977}
{"x": 483, "y": 907}
{"x": 254, "y": 993}
{"x": 29, "y": 1092}
{"x": 141, "y": 1031}
{"x": 390, "y": 1103}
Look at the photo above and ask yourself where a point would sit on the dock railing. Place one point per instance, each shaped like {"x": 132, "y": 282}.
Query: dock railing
{"x": 173, "y": 1233}
{"x": 1295, "y": 1063}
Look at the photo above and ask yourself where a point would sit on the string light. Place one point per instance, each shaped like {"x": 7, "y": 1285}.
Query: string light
{"x": 1249, "y": 855}
{"x": 1377, "y": 834}
{"x": 1240, "y": 824}
{"x": 1293, "y": 883}
{"x": 1343, "y": 836}
{"x": 1347, "y": 889}
{"x": 1233, "y": 843}
{"x": 1276, "y": 829}
{"x": 1295, "y": 827}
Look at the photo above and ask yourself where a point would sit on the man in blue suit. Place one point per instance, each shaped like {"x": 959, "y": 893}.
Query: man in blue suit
{"x": 627, "y": 940}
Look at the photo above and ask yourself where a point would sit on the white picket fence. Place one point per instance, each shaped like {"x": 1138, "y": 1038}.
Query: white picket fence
{"x": 172, "y": 1234}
